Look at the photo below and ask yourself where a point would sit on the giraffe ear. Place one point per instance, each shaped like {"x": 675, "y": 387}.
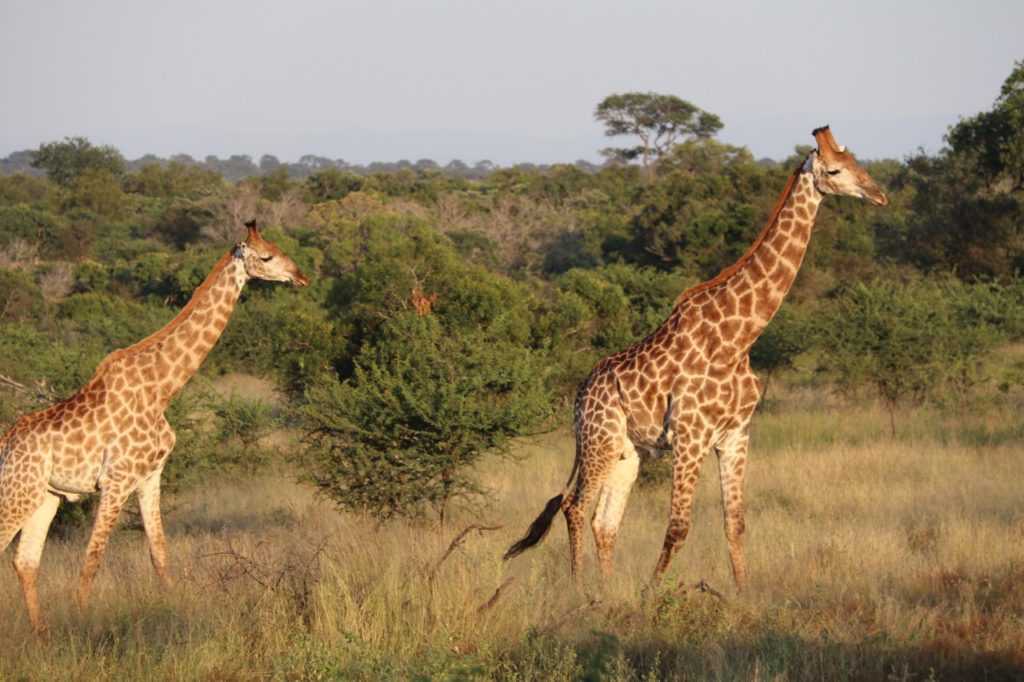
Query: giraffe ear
{"x": 254, "y": 234}
{"x": 827, "y": 146}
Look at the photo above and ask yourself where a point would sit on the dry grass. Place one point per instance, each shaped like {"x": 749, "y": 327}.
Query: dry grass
{"x": 870, "y": 558}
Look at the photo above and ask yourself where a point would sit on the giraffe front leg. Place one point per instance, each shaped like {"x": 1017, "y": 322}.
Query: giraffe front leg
{"x": 732, "y": 460}
{"x": 112, "y": 499}
{"x": 611, "y": 505}
{"x": 686, "y": 469}
{"x": 149, "y": 507}
{"x": 29, "y": 552}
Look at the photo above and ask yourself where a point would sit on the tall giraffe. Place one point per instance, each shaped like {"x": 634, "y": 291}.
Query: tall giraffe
{"x": 111, "y": 435}
{"x": 688, "y": 386}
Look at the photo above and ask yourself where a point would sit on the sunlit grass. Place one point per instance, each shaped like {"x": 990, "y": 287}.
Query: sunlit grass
{"x": 869, "y": 557}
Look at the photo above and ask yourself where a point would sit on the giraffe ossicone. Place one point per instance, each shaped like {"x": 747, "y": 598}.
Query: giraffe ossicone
{"x": 111, "y": 436}
{"x": 688, "y": 386}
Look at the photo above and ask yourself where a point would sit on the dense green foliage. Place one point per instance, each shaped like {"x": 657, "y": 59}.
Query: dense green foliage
{"x": 450, "y": 311}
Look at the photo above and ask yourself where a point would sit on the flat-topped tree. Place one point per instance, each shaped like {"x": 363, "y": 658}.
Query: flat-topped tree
{"x": 660, "y": 121}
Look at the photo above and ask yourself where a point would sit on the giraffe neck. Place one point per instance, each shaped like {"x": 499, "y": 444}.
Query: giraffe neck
{"x": 765, "y": 274}
{"x": 164, "y": 361}
{"x": 743, "y": 298}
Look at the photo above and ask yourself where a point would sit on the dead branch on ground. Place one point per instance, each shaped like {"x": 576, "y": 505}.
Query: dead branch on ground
{"x": 571, "y": 615}
{"x": 457, "y": 543}
{"x": 496, "y": 596}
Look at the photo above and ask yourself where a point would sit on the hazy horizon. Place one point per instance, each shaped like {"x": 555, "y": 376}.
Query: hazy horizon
{"x": 451, "y": 79}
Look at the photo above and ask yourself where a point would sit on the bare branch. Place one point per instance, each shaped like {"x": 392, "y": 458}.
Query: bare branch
{"x": 571, "y": 614}
{"x": 457, "y": 543}
{"x": 496, "y": 596}
{"x": 11, "y": 383}
{"x": 701, "y": 586}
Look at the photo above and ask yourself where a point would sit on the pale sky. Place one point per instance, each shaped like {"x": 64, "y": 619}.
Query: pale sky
{"x": 514, "y": 81}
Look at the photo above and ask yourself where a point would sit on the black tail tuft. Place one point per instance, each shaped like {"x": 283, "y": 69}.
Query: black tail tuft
{"x": 538, "y": 529}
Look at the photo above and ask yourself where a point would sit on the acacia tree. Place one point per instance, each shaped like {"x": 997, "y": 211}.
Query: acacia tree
{"x": 435, "y": 368}
{"x": 660, "y": 121}
{"x": 908, "y": 343}
{"x": 423, "y": 404}
{"x": 65, "y": 161}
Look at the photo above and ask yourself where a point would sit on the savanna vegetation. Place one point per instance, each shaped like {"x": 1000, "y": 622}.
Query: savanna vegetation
{"x": 423, "y": 382}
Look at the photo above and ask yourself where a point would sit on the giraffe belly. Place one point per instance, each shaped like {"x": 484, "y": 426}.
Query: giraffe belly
{"x": 648, "y": 430}
{"x": 76, "y": 470}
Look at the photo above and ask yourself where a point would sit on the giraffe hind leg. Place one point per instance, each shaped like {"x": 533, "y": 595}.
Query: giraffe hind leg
{"x": 24, "y": 506}
{"x": 611, "y": 505}
{"x": 597, "y": 462}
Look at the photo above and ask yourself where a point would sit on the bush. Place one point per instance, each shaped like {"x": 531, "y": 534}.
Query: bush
{"x": 20, "y": 298}
{"x": 906, "y": 343}
{"x": 422, "y": 405}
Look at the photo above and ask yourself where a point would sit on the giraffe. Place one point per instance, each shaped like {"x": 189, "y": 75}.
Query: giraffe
{"x": 688, "y": 387}
{"x": 111, "y": 435}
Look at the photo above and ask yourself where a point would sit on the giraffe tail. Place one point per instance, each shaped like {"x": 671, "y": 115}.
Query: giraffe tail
{"x": 542, "y": 524}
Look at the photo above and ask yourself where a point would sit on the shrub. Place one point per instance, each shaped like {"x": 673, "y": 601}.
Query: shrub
{"x": 906, "y": 343}
{"x": 422, "y": 405}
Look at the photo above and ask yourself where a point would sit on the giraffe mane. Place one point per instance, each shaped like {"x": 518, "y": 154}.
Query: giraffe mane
{"x": 182, "y": 315}
{"x": 731, "y": 270}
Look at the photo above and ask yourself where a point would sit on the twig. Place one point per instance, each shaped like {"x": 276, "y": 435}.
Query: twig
{"x": 6, "y": 380}
{"x": 704, "y": 587}
{"x": 496, "y": 596}
{"x": 457, "y": 543}
{"x": 572, "y": 614}
{"x": 701, "y": 586}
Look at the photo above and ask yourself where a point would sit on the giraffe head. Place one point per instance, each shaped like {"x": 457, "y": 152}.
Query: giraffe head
{"x": 263, "y": 260}
{"x": 837, "y": 172}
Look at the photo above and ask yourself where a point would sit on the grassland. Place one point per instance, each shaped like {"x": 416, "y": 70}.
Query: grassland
{"x": 870, "y": 558}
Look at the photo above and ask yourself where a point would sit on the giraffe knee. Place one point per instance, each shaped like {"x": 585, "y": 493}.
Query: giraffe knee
{"x": 24, "y": 565}
{"x": 574, "y": 515}
{"x": 604, "y": 536}
{"x": 677, "y": 531}
{"x": 734, "y": 524}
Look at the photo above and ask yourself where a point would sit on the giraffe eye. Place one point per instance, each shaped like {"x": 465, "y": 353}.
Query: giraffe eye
{"x": 835, "y": 172}
{"x": 266, "y": 259}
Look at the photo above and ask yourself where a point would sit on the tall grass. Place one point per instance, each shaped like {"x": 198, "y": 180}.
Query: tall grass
{"x": 870, "y": 558}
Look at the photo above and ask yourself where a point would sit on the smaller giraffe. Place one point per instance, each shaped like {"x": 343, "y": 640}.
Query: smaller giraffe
{"x": 688, "y": 387}
{"x": 111, "y": 435}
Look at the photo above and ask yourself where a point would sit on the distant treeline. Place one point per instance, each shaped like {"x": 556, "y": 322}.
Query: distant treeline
{"x": 240, "y": 166}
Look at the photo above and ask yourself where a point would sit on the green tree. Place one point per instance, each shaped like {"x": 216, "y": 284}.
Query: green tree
{"x": 65, "y": 161}
{"x": 996, "y": 137}
{"x": 174, "y": 180}
{"x": 968, "y": 201}
{"x": 422, "y": 405}
{"x": 20, "y": 298}
{"x": 98, "y": 191}
{"x": 905, "y": 343}
{"x": 697, "y": 222}
{"x": 660, "y": 121}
